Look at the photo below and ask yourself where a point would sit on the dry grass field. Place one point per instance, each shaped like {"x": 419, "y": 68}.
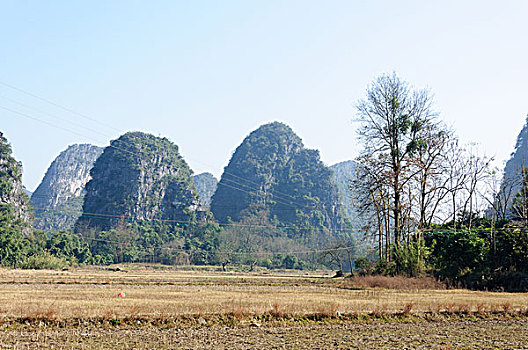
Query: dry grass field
{"x": 153, "y": 307}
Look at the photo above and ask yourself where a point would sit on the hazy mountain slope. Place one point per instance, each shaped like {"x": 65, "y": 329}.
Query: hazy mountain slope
{"x": 59, "y": 197}
{"x": 511, "y": 183}
{"x": 344, "y": 173}
{"x": 206, "y": 185}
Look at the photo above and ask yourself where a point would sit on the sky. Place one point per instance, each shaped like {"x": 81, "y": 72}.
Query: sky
{"x": 206, "y": 73}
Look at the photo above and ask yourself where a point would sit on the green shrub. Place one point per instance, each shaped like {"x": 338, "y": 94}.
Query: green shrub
{"x": 44, "y": 260}
{"x": 364, "y": 266}
{"x": 410, "y": 259}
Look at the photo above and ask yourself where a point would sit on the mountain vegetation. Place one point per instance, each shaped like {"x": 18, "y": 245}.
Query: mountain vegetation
{"x": 20, "y": 244}
{"x": 59, "y": 198}
{"x": 512, "y": 178}
{"x": 12, "y": 193}
{"x": 271, "y": 174}
{"x": 518, "y": 158}
{"x": 274, "y": 196}
{"x": 15, "y": 218}
{"x": 142, "y": 196}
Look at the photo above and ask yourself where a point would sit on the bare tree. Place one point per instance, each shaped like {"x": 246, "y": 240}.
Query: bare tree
{"x": 412, "y": 170}
{"x": 477, "y": 167}
{"x": 392, "y": 118}
{"x": 429, "y": 178}
{"x": 455, "y": 176}
{"x": 371, "y": 197}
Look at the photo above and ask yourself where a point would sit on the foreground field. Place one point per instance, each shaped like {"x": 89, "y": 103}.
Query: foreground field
{"x": 511, "y": 334}
{"x": 143, "y": 307}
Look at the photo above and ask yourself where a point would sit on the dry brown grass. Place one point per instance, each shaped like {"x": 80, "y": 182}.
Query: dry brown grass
{"x": 166, "y": 309}
{"x": 92, "y": 294}
{"x": 397, "y": 282}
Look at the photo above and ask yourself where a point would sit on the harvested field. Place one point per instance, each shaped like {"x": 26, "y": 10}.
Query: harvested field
{"x": 512, "y": 334}
{"x": 163, "y": 307}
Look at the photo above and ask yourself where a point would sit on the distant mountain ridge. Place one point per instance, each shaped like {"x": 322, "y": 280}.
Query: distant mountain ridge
{"x": 59, "y": 197}
{"x": 519, "y": 156}
{"x": 511, "y": 183}
{"x": 206, "y": 185}
{"x": 344, "y": 174}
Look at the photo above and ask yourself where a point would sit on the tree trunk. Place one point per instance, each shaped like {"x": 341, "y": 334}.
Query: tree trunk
{"x": 396, "y": 212}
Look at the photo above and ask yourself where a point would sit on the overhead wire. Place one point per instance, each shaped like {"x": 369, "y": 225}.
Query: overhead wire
{"x": 53, "y": 116}
{"x": 125, "y": 150}
{"x": 243, "y": 187}
{"x": 300, "y": 252}
{"x": 67, "y": 109}
{"x": 41, "y": 121}
{"x": 278, "y": 194}
{"x": 34, "y": 195}
{"x": 174, "y": 221}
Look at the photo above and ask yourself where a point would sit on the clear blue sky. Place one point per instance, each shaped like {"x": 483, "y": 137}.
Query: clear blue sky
{"x": 206, "y": 73}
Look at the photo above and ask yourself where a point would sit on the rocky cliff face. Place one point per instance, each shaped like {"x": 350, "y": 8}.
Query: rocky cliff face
{"x": 272, "y": 174}
{"x": 519, "y": 157}
{"x": 206, "y": 186}
{"x": 512, "y": 171}
{"x": 344, "y": 173}
{"x": 59, "y": 197}
{"x": 13, "y": 200}
{"x": 139, "y": 177}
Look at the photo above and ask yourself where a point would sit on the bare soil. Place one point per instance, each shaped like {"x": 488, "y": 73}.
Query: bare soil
{"x": 461, "y": 334}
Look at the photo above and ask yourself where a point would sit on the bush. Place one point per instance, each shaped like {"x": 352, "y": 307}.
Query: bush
{"x": 44, "y": 260}
{"x": 509, "y": 281}
{"x": 385, "y": 268}
{"x": 409, "y": 259}
{"x": 454, "y": 254}
{"x": 290, "y": 262}
{"x": 267, "y": 263}
{"x": 364, "y": 266}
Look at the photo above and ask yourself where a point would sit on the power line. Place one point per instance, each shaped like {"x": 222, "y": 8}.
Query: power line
{"x": 108, "y": 201}
{"x": 56, "y": 105}
{"x": 312, "y": 251}
{"x": 117, "y": 148}
{"x": 243, "y": 190}
{"x": 174, "y": 221}
{"x": 280, "y": 194}
{"x": 42, "y": 121}
{"x": 57, "y": 126}
{"x": 53, "y": 116}
{"x": 279, "y": 198}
